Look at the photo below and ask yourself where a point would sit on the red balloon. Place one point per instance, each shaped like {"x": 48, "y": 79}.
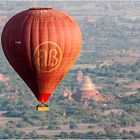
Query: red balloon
{"x": 41, "y": 44}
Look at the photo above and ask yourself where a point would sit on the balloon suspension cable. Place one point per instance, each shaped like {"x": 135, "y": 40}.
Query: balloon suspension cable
{"x": 42, "y": 107}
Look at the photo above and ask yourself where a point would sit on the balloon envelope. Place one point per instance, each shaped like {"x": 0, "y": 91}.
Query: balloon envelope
{"x": 41, "y": 44}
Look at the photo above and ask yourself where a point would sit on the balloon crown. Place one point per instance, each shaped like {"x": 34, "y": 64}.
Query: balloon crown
{"x": 40, "y": 8}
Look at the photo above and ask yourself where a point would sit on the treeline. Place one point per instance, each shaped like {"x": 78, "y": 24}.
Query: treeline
{"x": 116, "y": 70}
{"x": 111, "y": 132}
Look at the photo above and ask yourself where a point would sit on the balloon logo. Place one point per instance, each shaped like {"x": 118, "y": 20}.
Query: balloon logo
{"x": 47, "y": 56}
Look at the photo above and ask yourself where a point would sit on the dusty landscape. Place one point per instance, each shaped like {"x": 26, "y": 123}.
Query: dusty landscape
{"x": 110, "y": 57}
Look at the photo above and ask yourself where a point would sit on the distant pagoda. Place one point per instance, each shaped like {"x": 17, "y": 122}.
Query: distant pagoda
{"x": 64, "y": 114}
{"x": 79, "y": 77}
{"x": 3, "y": 78}
{"x": 87, "y": 91}
{"x": 67, "y": 94}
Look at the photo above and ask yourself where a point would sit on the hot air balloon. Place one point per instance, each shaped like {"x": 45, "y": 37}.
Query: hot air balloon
{"x": 41, "y": 44}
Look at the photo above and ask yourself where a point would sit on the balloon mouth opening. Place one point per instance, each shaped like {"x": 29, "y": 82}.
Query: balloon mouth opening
{"x": 40, "y": 8}
{"x": 43, "y": 97}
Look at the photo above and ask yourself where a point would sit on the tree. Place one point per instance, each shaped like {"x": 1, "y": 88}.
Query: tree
{"x": 72, "y": 125}
{"x": 63, "y": 135}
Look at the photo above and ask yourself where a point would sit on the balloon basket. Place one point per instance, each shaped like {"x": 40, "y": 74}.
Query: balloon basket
{"x": 42, "y": 107}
